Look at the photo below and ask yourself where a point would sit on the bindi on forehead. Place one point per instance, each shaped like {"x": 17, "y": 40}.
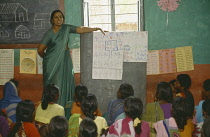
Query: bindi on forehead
{"x": 58, "y": 14}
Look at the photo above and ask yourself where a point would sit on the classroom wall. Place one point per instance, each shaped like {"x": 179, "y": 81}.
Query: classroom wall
{"x": 30, "y": 85}
{"x": 187, "y": 26}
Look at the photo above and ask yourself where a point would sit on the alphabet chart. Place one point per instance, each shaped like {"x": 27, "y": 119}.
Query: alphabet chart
{"x": 6, "y": 65}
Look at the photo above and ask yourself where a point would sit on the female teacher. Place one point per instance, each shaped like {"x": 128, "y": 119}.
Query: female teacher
{"x": 57, "y": 63}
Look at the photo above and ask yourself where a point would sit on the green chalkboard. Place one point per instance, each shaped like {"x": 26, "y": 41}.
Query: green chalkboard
{"x": 25, "y": 21}
{"x": 73, "y": 16}
{"x": 189, "y": 25}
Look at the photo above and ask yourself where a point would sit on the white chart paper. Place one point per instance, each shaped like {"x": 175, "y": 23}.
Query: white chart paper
{"x": 6, "y": 65}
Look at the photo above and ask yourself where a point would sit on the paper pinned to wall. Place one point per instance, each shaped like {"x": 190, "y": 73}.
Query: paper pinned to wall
{"x": 6, "y": 65}
{"x": 28, "y": 61}
{"x": 184, "y": 58}
{"x": 167, "y": 61}
{"x": 39, "y": 64}
{"x": 76, "y": 60}
{"x": 135, "y": 46}
{"x": 107, "y": 56}
{"x": 153, "y": 62}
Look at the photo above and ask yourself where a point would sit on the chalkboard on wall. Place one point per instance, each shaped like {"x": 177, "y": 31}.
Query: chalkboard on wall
{"x": 134, "y": 73}
{"x": 25, "y": 21}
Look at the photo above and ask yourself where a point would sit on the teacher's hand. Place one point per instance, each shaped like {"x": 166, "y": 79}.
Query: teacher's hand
{"x": 102, "y": 31}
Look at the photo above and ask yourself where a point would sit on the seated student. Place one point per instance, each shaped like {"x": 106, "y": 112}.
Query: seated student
{"x": 10, "y": 99}
{"x": 131, "y": 125}
{"x": 173, "y": 86}
{"x": 206, "y": 114}
{"x": 24, "y": 117}
{"x": 58, "y": 127}
{"x": 4, "y": 127}
{"x": 206, "y": 128}
{"x": 183, "y": 83}
{"x": 179, "y": 124}
{"x": 48, "y": 108}
{"x": 88, "y": 128}
{"x": 89, "y": 106}
{"x": 116, "y": 107}
{"x": 161, "y": 108}
{"x": 43, "y": 130}
{"x": 206, "y": 95}
{"x": 3, "y": 113}
{"x": 81, "y": 92}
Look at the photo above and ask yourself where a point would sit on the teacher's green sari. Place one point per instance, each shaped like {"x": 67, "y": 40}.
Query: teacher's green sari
{"x": 57, "y": 63}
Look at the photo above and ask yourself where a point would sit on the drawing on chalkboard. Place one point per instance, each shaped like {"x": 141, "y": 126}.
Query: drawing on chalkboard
{"x": 13, "y": 12}
{"x": 42, "y": 2}
{"x": 168, "y": 5}
{"x": 22, "y": 32}
{"x": 41, "y": 20}
{"x": 3, "y": 32}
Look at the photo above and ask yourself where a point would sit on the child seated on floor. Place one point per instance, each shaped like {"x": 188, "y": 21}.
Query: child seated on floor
{"x": 81, "y": 92}
{"x": 131, "y": 125}
{"x": 88, "y": 106}
{"x": 88, "y": 128}
{"x": 48, "y": 108}
{"x": 179, "y": 125}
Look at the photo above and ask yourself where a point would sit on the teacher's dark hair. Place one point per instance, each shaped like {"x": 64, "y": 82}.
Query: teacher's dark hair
{"x": 53, "y": 13}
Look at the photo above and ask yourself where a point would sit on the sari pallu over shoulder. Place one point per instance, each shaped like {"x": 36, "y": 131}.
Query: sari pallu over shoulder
{"x": 57, "y": 65}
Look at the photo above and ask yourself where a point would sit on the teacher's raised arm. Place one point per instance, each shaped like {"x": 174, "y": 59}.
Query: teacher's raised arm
{"x": 88, "y": 29}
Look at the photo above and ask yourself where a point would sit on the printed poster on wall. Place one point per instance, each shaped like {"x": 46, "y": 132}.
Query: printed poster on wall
{"x": 135, "y": 46}
{"x": 76, "y": 60}
{"x": 167, "y": 61}
{"x": 153, "y": 62}
{"x": 6, "y": 65}
{"x": 28, "y": 61}
{"x": 39, "y": 64}
{"x": 184, "y": 59}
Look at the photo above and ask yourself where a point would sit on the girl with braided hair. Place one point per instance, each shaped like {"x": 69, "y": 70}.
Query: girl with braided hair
{"x": 48, "y": 108}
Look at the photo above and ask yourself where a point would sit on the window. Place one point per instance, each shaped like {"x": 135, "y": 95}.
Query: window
{"x": 113, "y": 15}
